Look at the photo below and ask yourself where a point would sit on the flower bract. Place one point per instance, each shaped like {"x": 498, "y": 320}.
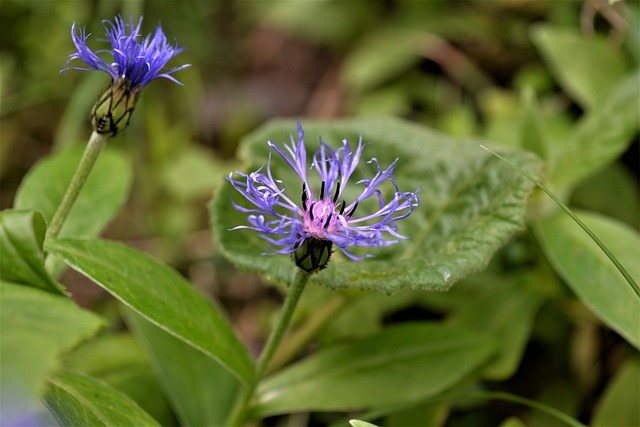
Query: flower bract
{"x": 322, "y": 218}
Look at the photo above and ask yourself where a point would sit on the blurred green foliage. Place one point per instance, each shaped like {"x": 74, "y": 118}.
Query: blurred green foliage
{"x": 558, "y": 78}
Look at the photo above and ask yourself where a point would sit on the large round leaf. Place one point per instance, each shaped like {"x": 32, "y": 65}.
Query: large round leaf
{"x": 470, "y": 204}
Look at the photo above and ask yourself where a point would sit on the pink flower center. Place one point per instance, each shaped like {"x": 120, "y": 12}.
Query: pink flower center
{"x": 320, "y": 218}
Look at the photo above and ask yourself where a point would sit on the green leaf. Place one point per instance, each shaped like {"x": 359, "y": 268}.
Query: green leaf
{"x": 586, "y": 67}
{"x": 102, "y": 196}
{"x": 36, "y": 328}
{"x": 619, "y": 403}
{"x": 79, "y": 400}
{"x": 118, "y": 360}
{"x": 200, "y": 389}
{"x": 160, "y": 295}
{"x": 470, "y": 204}
{"x": 531, "y": 128}
{"x": 590, "y": 273}
{"x": 602, "y": 135}
{"x": 421, "y": 360}
{"x": 22, "y": 261}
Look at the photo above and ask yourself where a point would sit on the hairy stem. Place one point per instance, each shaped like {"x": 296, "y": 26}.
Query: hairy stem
{"x": 92, "y": 151}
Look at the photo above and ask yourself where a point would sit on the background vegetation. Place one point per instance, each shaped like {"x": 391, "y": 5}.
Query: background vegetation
{"x": 558, "y": 78}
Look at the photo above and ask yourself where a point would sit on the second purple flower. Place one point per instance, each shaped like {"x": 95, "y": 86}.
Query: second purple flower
{"x": 322, "y": 218}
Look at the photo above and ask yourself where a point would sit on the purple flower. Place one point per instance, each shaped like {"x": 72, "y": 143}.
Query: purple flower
{"x": 308, "y": 229}
{"x": 136, "y": 60}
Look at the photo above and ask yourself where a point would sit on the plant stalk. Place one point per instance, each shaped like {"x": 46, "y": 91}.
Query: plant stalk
{"x": 239, "y": 412}
{"x": 92, "y": 151}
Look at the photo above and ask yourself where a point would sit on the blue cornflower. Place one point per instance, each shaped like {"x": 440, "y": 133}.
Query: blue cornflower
{"x": 308, "y": 230}
{"x": 135, "y": 60}
{"x": 136, "y": 63}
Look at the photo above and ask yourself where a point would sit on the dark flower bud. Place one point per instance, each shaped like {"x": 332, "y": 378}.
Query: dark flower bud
{"x": 313, "y": 254}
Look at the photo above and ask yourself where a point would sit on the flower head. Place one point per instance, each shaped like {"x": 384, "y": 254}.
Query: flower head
{"x": 322, "y": 218}
{"x": 136, "y": 63}
{"x": 137, "y": 60}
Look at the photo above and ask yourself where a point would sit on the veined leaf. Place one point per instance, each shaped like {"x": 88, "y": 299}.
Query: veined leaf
{"x": 160, "y": 295}
{"x": 79, "y": 400}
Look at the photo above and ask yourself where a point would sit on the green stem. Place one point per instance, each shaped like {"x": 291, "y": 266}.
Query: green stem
{"x": 239, "y": 412}
{"x": 296, "y": 341}
{"x": 89, "y": 157}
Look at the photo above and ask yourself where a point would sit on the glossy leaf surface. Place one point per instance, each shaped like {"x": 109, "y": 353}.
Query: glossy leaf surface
{"x": 159, "y": 294}
{"x": 77, "y": 399}
{"x": 201, "y": 390}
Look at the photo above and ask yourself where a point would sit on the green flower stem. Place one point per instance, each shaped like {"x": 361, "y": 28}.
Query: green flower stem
{"x": 89, "y": 157}
{"x": 296, "y": 341}
{"x": 239, "y": 412}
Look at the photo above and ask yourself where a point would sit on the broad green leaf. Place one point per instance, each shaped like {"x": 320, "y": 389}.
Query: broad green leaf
{"x": 586, "y": 67}
{"x": 77, "y": 399}
{"x": 470, "y": 204}
{"x": 506, "y": 311}
{"x": 619, "y": 403}
{"x": 600, "y": 136}
{"x": 118, "y": 360}
{"x": 36, "y": 328}
{"x": 590, "y": 273}
{"x": 420, "y": 360}
{"x": 22, "y": 261}
{"x": 200, "y": 389}
{"x": 102, "y": 196}
{"x": 160, "y": 295}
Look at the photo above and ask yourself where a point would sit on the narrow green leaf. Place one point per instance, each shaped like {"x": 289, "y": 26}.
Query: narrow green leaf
{"x": 160, "y": 295}
{"x": 470, "y": 205}
{"x": 619, "y": 403}
{"x": 77, "y": 399}
{"x": 421, "y": 360}
{"x": 200, "y": 389}
{"x": 590, "y": 272}
{"x": 36, "y": 328}
{"x": 586, "y": 67}
{"x": 101, "y": 198}
{"x": 22, "y": 261}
